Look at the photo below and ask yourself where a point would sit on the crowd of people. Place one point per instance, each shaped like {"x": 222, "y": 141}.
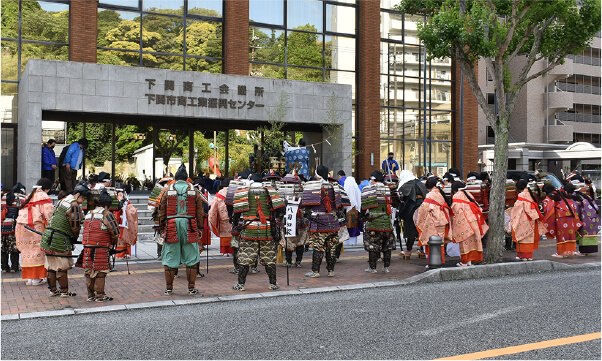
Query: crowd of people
{"x": 261, "y": 217}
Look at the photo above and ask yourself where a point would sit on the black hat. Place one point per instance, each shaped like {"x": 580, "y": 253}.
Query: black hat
{"x": 455, "y": 172}
{"x": 256, "y": 177}
{"x": 448, "y": 176}
{"x": 82, "y": 189}
{"x": 548, "y": 188}
{"x": 93, "y": 178}
{"x": 322, "y": 171}
{"x": 104, "y": 199}
{"x": 456, "y": 185}
{"x": 18, "y": 188}
{"x": 181, "y": 174}
{"x": 377, "y": 175}
{"x": 104, "y": 177}
{"x": 569, "y": 188}
{"x": 484, "y": 176}
{"x": 244, "y": 174}
{"x": 473, "y": 174}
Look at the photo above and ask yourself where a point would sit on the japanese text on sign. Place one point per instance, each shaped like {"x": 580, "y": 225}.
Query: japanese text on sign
{"x": 290, "y": 228}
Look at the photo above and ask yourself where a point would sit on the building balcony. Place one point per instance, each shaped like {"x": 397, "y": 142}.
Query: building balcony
{"x": 559, "y": 100}
{"x": 578, "y": 117}
{"x": 560, "y": 133}
{"x": 563, "y": 71}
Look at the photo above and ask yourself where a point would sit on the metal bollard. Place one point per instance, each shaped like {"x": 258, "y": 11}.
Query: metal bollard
{"x": 435, "y": 244}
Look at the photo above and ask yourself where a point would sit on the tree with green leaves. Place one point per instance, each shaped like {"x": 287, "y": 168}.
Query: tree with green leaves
{"x": 504, "y": 33}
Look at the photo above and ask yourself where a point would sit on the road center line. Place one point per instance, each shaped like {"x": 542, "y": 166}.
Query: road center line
{"x": 526, "y": 347}
{"x": 476, "y": 319}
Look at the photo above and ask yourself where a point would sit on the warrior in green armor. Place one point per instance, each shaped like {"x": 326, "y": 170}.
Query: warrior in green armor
{"x": 256, "y": 207}
{"x": 60, "y": 235}
{"x": 376, "y": 210}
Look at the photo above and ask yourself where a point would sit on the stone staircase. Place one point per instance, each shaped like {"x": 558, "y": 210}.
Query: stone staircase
{"x": 145, "y": 221}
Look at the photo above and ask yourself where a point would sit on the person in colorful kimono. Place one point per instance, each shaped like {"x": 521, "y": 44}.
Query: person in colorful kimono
{"x": 527, "y": 222}
{"x": 468, "y": 226}
{"x": 99, "y": 237}
{"x": 589, "y": 214}
{"x": 561, "y": 220}
{"x": 219, "y": 220}
{"x": 433, "y": 217}
{"x": 376, "y": 212}
{"x": 255, "y": 211}
{"x": 60, "y": 235}
{"x": 34, "y": 212}
{"x": 181, "y": 220}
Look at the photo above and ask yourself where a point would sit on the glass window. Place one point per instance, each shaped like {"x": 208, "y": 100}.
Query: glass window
{"x": 163, "y": 34}
{"x": 267, "y": 71}
{"x": 267, "y": 11}
{"x": 113, "y": 25}
{"x": 340, "y": 19}
{"x": 10, "y": 60}
{"x": 163, "y": 61}
{"x": 440, "y": 124}
{"x": 205, "y": 8}
{"x": 115, "y": 57}
{"x": 391, "y": 26}
{"x": 45, "y": 21}
{"x": 8, "y": 89}
{"x": 389, "y": 4}
{"x": 204, "y": 65}
{"x": 203, "y": 38}
{"x": 265, "y": 44}
{"x": 339, "y": 53}
{"x": 306, "y": 74}
{"x": 342, "y": 77}
{"x": 304, "y": 15}
{"x": 164, "y": 6}
{"x": 43, "y": 51}
{"x": 303, "y": 49}
{"x": 10, "y": 19}
{"x": 128, "y": 3}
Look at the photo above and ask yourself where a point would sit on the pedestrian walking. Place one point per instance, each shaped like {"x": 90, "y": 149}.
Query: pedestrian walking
{"x": 526, "y": 222}
{"x": 58, "y": 239}
{"x": 468, "y": 226}
{"x": 35, "y": 212}
{"x": 49, "y": 163}
{"x": 376, "y": 212}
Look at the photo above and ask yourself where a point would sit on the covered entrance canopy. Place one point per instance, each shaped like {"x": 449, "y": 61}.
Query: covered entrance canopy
{"x": 73, "y": 91}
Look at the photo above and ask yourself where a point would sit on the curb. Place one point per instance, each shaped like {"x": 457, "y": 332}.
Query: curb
{"x": 434, "y": 275}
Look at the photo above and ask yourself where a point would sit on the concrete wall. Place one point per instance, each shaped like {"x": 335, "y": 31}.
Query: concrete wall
{"x": 110, "y": 89}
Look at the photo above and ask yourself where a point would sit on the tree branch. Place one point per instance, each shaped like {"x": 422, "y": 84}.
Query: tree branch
{"x": 515, "y": 21}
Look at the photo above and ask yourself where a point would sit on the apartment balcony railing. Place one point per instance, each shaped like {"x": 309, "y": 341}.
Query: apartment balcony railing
{"x": 582, "y": 59}
{"x": 578, "y": 88}
{"x": 576, "y": 117}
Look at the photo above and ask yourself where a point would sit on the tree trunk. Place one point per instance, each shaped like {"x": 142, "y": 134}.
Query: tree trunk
{"x": 497, "y": 199}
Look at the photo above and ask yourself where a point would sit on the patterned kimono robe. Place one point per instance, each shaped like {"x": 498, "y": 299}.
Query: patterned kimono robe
{"x": 220, "y": 222}
{"x": 561, "y": 224}
{"x": 587, "y": 235}
{"x": 527, "y": 225}
{"x": 468, "y": 227}
{"x": 433, "y": 218}
{"x": 36, "y": 215}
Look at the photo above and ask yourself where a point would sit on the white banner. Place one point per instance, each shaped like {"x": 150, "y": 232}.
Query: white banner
{"x": 290, "y": 218}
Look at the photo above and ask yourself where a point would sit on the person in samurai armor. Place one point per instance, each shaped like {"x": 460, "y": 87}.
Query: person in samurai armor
{"x": 58, "y": 239}
{"x": 241, "y": 181}
{"x": 100, "y": 234}
{"x": 153, "y": 206}
{"x": 181, "y": 217}
{"x": 376, "y": 211}
{"x": 258, "y": 207}
{"x": 291, "y": 187}
{"x": 322, "y": 200}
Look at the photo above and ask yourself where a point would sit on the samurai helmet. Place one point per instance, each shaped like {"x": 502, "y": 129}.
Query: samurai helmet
{"x": 82, "y": 189}
{"x": 104, "y": 199}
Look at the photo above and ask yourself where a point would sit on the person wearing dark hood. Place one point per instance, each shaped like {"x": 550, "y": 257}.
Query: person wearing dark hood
{"x": 181, "y": 220}
{"x": 376, "y": 212}
{"x": 413, "y": 193}
{"x": 256, "y": 207}
{"x": 322, "y": 200}
{"x": 561, "y": 220}
{"x": 60, "y": 235}
{"x": 100, "y": 233}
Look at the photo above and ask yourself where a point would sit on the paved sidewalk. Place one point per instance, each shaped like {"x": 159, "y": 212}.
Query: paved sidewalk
{"x": 146, "y": 282}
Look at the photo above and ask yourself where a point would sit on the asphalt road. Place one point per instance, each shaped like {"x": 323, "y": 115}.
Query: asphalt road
{"x": 402, "y": 322}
